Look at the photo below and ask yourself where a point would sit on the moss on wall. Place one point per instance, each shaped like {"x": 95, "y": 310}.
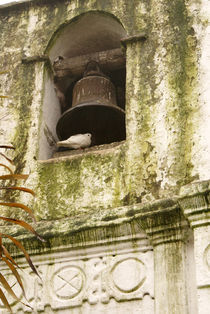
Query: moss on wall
{"x": 68, "y": 187}
{"x": 161, "y": 96}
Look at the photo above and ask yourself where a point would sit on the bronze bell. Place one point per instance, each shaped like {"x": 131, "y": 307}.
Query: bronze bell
{"x": 94, "y": 109}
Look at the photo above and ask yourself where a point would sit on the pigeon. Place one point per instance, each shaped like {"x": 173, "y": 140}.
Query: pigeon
{"x": 76, "y": 141}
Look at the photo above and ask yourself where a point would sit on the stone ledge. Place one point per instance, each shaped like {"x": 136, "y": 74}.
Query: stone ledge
{"x": 195, "y": 203}
{"x": 82, "y": 238}
{"x": 69, "y": 154}
{"x": 160, "y": 219}
{"x": 195, "y": 188}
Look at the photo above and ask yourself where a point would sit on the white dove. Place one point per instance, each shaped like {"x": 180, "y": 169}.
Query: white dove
{"x": 76, "y": 141}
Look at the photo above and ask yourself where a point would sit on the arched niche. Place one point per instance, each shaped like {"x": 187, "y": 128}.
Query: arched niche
{"x": 90, "y": 36}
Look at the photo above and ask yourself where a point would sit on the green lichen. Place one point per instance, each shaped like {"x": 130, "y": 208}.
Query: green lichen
{"x": 129, "y": 174}
{"x": 183, "y": 82}
{"x": 63, "y": 185}
{"x": 24, "y": 93}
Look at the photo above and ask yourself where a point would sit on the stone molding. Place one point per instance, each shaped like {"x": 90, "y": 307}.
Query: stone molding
{"x": 164, "y": 223}
{"x": 195, "y": 203}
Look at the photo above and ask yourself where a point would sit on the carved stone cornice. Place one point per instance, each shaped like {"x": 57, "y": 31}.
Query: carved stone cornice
{"x": 195, "y": 203}
{"x": 164, "y": 222}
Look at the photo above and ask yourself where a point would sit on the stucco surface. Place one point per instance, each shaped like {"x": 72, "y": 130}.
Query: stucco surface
{"x": 86, "y": 198}
{"x": 166, "y": 110}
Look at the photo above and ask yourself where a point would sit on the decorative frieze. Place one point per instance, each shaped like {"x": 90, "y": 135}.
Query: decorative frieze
{"x": 89, "y": 279}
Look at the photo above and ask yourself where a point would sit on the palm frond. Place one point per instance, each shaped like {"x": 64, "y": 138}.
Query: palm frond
{"x": 21, "y": 247}
{"x": 5, "y": 255}
{"x": 14, "y": 176}
{"x": 18, "y": 188}
{"x": 20, "y": 205}
{"x": 4, "y": 301}
{"x": 8, "y": 159}
{"x": 6, "y": 167}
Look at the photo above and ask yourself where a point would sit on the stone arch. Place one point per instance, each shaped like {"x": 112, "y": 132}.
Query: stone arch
{"x": 99, "y": 21}
{"x": 90, "y": 32}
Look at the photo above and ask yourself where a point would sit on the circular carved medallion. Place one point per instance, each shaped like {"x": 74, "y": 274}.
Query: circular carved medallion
{"x": 68, "y": 282}
{"x": 207, "y": 256}
{"x": 128, "y": 274}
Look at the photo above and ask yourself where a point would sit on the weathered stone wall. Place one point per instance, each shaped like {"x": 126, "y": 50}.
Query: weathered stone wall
{"x": 167, "y": 115}
{"x": 164, "y": 107}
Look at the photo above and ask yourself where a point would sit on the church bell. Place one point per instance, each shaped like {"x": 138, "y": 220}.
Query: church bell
{"x": 94, "y": 109}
